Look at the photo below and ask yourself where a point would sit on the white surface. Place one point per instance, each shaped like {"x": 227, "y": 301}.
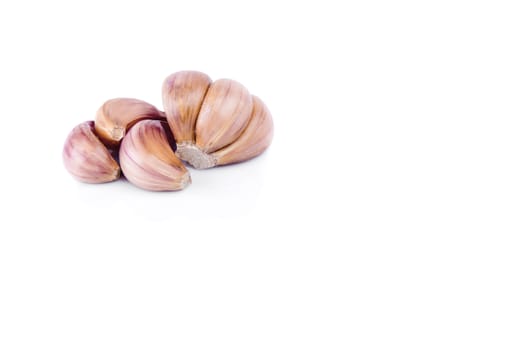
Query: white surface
{"x": 388, "y": 213}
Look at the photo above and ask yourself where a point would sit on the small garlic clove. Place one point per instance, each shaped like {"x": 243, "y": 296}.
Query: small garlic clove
{"x": 116, "y": 116}
{"x": 86, "y": 157}
{"x": 182, "y": 95}
{"x": 148, "y": 160}
{"x": 254, "y": 140}
{"x": 224, "y": 114}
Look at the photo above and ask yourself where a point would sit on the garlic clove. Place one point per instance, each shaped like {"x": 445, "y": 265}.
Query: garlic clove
{"x": 148, "y": 160}
{"x": 224, "y": 114}
{"x": 254, "y": 140}
{"x": 182, "y": 95}
{"x": 87, "y": 158}
{"x": 117, "y": 115}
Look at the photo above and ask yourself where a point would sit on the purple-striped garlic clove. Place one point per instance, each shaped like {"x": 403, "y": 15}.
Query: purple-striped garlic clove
{"x": 117, "y": 115}
{"x": 148, "y": 160}
{"x": 86, "y": 158}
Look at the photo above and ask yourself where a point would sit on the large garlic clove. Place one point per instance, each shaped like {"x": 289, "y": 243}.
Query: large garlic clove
{"x": 254, "y": 140}
{"x": 148, "y": 161}
{"x": 116, "y": 116}
{"x": 86, "y": 157}
{"x": 224, "y": 114}
{"x": 182, "y": 95}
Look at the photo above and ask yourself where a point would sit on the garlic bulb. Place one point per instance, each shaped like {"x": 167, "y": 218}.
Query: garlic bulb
{"x": 87, "y": 158}
{"x": 117, "y": 115}
{"x": 215, "y": 124}
{"x": 148, "y": 160}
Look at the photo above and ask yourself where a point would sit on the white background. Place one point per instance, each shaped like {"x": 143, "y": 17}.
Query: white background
{"x": 387, "y": 214}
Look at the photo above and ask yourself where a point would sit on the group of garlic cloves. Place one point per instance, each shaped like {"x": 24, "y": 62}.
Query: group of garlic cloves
{"x": 205, "y": 124}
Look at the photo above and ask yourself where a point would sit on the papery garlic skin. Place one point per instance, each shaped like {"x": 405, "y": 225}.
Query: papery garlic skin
{"x": 86, "y": 158}
{"x": 149, "y": 162}
{"x": 231, "y": 126}
{"x": 117, "y": 115}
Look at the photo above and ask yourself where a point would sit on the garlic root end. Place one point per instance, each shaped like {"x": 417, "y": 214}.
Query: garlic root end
{"x": 192, "y": 154}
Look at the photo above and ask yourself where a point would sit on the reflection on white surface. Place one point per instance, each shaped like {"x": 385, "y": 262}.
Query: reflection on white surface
{"x": 226, "y": 191}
